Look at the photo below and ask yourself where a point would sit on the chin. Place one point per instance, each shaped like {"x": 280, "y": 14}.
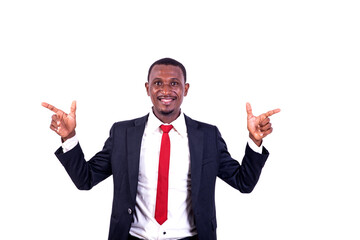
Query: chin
{"x": 169, "y": 112}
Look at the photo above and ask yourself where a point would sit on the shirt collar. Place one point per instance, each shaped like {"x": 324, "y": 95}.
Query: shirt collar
{"x": 179, "y": 125}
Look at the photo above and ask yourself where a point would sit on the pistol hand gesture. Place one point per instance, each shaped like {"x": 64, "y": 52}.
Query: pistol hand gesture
{"x": 62, "y": 123}
{"x": 259, "y": 126}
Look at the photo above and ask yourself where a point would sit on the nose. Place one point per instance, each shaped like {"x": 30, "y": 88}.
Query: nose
{"x": 166, "y": 89}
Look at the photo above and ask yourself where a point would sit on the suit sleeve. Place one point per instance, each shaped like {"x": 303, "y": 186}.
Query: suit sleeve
{"x": 242, "y": 176}
{"x": 86, "y": 174}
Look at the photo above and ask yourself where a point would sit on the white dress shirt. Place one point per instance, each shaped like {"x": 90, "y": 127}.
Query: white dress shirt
{"x": 180, "y": 222}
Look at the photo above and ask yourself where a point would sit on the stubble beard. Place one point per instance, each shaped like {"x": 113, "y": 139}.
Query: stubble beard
{"x": 166, "y": 113}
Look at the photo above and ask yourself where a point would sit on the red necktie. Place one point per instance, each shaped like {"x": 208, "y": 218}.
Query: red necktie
{"x": 163, "y": 176}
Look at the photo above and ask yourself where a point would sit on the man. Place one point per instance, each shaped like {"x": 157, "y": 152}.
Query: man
{"x": 164, "y": 175}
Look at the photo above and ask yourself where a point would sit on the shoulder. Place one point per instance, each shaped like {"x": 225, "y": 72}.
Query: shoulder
{"x": 199, "y": 124}
{"x": 131, "y": 122}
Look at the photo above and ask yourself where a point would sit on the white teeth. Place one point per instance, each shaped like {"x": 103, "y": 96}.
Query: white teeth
{"x": 166, "y": 100}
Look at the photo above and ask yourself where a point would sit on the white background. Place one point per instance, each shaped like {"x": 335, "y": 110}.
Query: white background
{"x": 300, "y": 56}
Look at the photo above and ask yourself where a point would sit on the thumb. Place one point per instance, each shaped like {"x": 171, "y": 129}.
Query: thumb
{"x": 73, "y": 109}
{"x": 249, "y": 110}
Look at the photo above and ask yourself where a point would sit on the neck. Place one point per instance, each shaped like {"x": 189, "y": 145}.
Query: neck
{"x": 167, "y": 117}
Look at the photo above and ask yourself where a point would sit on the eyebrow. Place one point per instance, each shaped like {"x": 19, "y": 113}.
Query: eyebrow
{"x": 162, "y": 79}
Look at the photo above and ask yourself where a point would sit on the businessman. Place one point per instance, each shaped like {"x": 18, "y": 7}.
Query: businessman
{"x": 164, "y": 164}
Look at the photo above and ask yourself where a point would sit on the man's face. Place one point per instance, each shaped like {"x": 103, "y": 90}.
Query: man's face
{"x": 166, "y": 88}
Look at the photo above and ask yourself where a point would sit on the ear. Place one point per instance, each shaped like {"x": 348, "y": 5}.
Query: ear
{"x": 147, "y": 88}
{"x": 186, "y": 88}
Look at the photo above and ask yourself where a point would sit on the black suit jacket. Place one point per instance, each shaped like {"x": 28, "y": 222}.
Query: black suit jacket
{"x": 120, "y": 155}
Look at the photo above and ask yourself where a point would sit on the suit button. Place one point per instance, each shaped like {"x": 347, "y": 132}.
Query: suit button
{"x": 129, "y": 211}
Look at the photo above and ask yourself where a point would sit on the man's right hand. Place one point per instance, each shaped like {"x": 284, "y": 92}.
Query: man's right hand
{"x": 62, "y": 123}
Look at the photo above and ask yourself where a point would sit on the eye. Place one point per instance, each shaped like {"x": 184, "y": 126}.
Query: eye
{"x": 174, "y": 83}
{"x": 157, "y": 83}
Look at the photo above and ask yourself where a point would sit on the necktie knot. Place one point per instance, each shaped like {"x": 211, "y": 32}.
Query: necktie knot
{"x": 166, "y": 128}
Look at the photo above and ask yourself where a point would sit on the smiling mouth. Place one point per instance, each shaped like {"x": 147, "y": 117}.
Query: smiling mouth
{"x": 166, "y": 100}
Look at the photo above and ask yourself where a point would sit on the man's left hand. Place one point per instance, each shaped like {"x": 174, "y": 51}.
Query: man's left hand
{"x": 259, "y": 126}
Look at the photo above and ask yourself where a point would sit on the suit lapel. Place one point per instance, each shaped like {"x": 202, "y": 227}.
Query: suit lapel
{"x": 196, "y": 144}
{"x": 134, "y": 138}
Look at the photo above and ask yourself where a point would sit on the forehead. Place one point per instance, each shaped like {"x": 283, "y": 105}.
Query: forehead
{"x": 166, "y": 71}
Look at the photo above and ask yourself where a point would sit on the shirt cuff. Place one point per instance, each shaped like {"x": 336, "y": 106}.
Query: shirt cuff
{"x": 70, "y": 144}
{"x": 255, "y": 147}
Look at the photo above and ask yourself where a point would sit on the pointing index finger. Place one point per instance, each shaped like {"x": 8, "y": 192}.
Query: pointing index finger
{"x": 272, "y": 112}
{"x": 50, "y": 107}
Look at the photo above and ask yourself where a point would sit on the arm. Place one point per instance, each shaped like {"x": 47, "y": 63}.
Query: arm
{"x": 84, "y": 174}
{"x": 242, "y": 176}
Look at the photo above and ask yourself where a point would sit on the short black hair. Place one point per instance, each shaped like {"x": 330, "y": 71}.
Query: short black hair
{"x": 168, "y": 61}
